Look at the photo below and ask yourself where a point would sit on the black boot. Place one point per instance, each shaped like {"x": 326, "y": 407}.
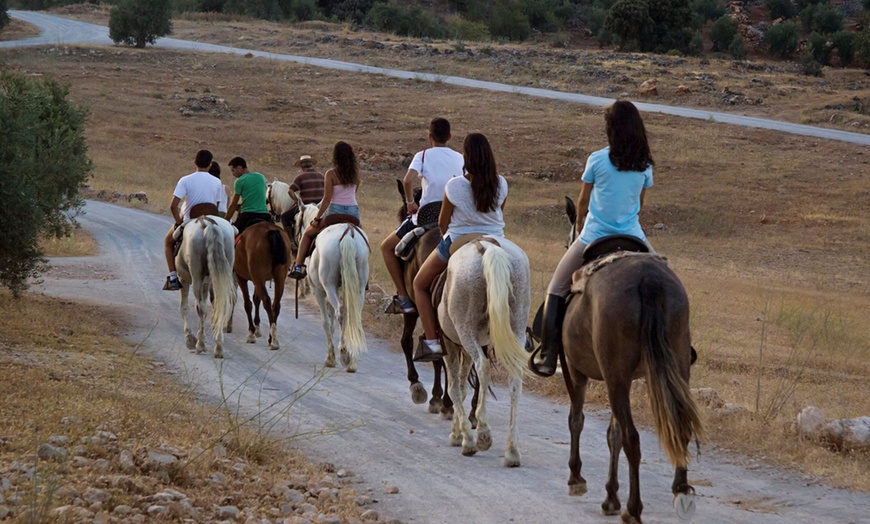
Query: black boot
{"x": 544, "y": 365}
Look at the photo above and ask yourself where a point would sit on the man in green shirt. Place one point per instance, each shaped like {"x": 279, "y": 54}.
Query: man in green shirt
{"x": 251, "y": 189}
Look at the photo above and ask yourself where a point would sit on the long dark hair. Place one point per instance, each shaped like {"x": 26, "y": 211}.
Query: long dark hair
{"x": 626, "y": 134}
{"x": 480, "y": 164}
{"x": 344, "y": 163}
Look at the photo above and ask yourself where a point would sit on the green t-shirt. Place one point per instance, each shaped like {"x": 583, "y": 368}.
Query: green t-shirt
{"x": 251, "y": 188}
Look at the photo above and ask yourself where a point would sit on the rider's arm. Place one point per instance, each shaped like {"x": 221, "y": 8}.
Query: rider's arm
{"x": 445, "y": 216}
{"x": 234, "y": 205}
{"x": 327, "y": 194}
{"x": 174, "y": 209}
{"x": 408, "y": 186}
{"x": 583, "y": 205}
{"x": 642, "y": 194}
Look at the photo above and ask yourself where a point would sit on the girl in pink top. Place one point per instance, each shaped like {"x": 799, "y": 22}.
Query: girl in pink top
{"x": 339, "y": 197}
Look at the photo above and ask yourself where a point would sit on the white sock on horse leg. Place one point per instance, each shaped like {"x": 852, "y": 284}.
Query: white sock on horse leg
{"x": 173, "y": 274}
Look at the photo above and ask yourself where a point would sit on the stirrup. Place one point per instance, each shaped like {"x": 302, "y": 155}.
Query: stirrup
{"x": 170, "y": 286}
{"x": 535, "y": 365}
{"x": 424, "y": 353}
{"x": 298, "y": 272}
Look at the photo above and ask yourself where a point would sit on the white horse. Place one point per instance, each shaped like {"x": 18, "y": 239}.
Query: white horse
{"x": 205, "y": 263}
{"x": 338, "y": 270}
{"x": 485, "y": 303}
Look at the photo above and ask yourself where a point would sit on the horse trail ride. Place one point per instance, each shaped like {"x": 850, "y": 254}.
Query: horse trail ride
{"x": 640, "y": 328}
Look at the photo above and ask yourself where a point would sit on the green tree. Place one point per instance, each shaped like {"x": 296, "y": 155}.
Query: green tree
{"x": 737, "y": 47}
{"x": 4, "y": 15}
{"x": 844, "y": 43}
{"x": 722, "y": 32}
{"x": 629, "y": 20}
{"x": 508, "y": 20}
{"x": 43, "y": 161}
{"x": 862, "y": 48}
{"x": 134, "y": 22}
{"x": 707, "y": 9}
{"x": 263, "y": 9}
{"x": 818, "y": 48}
{"x": 782, "y": 39}
{"x": 673, "y": 21}
{"x": 780, "y": 9}
{"x": 823, "y": 18}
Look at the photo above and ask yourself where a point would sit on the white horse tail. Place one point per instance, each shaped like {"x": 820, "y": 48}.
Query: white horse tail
{"x": 354, "y": 336}
{"x": 221, "y": 272}
{"x": 509, "y": 351}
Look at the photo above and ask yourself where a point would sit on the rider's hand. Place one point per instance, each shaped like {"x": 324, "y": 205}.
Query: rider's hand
{"x": 412, "y": 207}
{"x": 317, "y": 220}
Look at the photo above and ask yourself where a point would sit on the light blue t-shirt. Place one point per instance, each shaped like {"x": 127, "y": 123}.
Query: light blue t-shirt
{"x": 615, "y": 200}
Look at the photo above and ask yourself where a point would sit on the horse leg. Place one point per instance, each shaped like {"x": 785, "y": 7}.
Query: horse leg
{"x": 446, "y": 399}
{"x": 482, "y": 365}
{"x": 576, "y": 419}
{"x": 199, "y": 306}
{"x": 248, "y": 307}
{"x": 263, "y": 294}
{"x": 611, "y": 504}
{"x": 453, "y": 364}
{"x": 257, "y": 301}
{"x": 276, "y": 307}
{"x": 621, "y": 408}
{"x": 418, "y": 392}
{"x": 327, "y": 316}
{"x": 189, "y": 339}
{"x": 437, "y": 402}
{"x": 475, "y": 399}
{"x": 512, "y": 449}
{"x": 229, "y": 327}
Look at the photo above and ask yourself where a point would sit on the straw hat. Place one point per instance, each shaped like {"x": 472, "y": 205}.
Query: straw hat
{"x": 305, "y": 158}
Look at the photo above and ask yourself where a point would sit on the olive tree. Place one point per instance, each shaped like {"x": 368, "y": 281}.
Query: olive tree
{"x": 43, "y": 161}
{"x": 134, "y": 22}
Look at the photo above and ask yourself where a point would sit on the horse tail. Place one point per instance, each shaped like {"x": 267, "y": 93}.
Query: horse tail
{"x": 509, "y": 350}
{"x": 221, "y": 272}
{"x": 354, "y": 336}
{"x": 677, "y": 417}
{"x": 277, "y": 247}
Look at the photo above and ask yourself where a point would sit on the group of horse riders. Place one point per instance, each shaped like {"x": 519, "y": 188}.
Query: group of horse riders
{"x": 462, "y": 193}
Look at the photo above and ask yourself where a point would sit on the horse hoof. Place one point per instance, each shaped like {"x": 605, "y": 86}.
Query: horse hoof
{"x": 484, "y": 440}
{"x": 344, "y": 356}
{"x": 218, "y": 354}
{"x": 630, "y": 519}
{"x": 684, "y": 503}
{"x": 473, "y": 422}
{"x": 190, "y": 340}
{"x": 351, "y": 369}
{"x": 609, "y": 508}
{"x": 436, "y": 405}
{"x": 446, "y": 413}
{"x": 577, "y": 490}
{"x": 257, "y": 332}
{"x": 455, "y": 440}
{"x": 329, "y": 363}
{"x": 511, "y": 461}
{"x": 469, "y": 451}
{"x": 419, "y": 395}
{"x": 274, "y": 347}
{"x": 251, "y": 339}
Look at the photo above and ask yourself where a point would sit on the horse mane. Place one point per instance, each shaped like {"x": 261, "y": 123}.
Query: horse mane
{"x": 281, "y": 200}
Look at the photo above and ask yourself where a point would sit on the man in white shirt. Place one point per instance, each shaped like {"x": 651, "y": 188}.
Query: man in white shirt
{"x": 434, "y": 167}
{"x": 202, "y": 194}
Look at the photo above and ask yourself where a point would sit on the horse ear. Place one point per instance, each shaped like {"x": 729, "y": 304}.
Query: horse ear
{"x": 570, "y": 210}
{"x": 401, "y": 189}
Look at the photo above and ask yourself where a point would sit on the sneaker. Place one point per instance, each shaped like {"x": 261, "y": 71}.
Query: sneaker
{"x": 298, "y": 272}
{"x": 172, "y": 284}
{"x": 405, "y": 304}
{"x": 428, "y": 351}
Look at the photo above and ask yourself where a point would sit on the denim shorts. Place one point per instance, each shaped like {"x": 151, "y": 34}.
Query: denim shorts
{"x": 335, "y": 209}
{"x": 444, "y": 249}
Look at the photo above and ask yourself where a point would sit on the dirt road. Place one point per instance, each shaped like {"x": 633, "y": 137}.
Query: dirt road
{"x": 367, "y": 423}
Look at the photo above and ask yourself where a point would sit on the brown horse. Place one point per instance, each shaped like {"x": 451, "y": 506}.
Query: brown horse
{"x": 261, "y": 255}
{"x": 631, "y": 320}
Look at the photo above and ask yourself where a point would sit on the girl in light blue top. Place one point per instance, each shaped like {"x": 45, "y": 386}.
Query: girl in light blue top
{"x": 614, "y": 186}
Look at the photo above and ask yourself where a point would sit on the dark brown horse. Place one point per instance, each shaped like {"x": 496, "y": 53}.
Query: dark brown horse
{"x": 262, "y": 255}
{"x": 630, "y": 321}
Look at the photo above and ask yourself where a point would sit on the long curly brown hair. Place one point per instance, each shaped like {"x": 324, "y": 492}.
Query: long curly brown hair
{"x": 344, "y": 163}
{"x": 480, "y": 164}
{"x": 626, "y": 134}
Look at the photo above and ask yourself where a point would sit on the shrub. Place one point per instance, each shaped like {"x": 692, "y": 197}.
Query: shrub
{"x": 629, "y": 20}
{"x": 818, "y": 48}
{"x": 348, "y": 10}
{"x": 673, "y": 21}
{"x": 722, "y": 33}
{"x": 138, "y": 23}
{"x": 823, "y": 18}
{"x": 4, "y": 15}
{"x": 541, "y": 15}
{"x": 404, "y": 21}
{"x": 299, "y": 10}
{"x": 802, "y": 4}
{"x": 862, "y": 48}
{"x": 782, "y": 39}
{"x": 593, "y": 18}
{"x": 810, "y": 66}
{"x": 707, "y": 9}
{"x": 459, "y": 28}
{"x": 507, "y": 21}
{"x": 696, "y": 44}
{"x": 43, "y": 160}
{"x": 780, "y": 8}
{"x": 737, "y": 47}
{"x": 844, "y": 43}
{"x": 265, "y": 9}
{"x": 212, "y": 6}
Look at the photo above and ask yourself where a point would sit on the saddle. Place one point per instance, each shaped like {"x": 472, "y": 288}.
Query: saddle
{"x": 199, "y": 210}
{"x": 427, "y": 218}
{"x": 472, "y": 238}
{"x": 339, "y": 218}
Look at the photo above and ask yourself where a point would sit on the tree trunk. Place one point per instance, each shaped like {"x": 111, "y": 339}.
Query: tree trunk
{"x": 140, "y": 42}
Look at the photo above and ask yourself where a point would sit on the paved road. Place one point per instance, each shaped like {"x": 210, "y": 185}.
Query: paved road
{"x": 370, "y": 426}
{"x": 56, "y": 31}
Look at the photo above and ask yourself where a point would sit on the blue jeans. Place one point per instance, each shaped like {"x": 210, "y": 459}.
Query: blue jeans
{"x": 335, "y": 209}
{"x": 444, "y": 249}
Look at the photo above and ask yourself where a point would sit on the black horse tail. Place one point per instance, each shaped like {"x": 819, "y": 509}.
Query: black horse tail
{"x": 277, "y": 247}
{"x": 677, "y": 417}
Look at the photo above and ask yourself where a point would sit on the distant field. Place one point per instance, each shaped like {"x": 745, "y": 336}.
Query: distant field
{"x": 764, "y": 229}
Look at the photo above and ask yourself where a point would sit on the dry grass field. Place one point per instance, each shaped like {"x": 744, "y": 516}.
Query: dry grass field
{"x": 78, "y": 244}
{"x": 770, "y": 233}
{"x": 65, "y": 402}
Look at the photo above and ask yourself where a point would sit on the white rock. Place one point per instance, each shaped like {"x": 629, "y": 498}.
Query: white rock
{"x": 96, "y": 496}
{"x": 122, "y": 510}
{"x": 125, "y": 460}
{"x": 370, "y": 515}
{"x": 810, "y": 422}
{"x": 79, "y": 462}
{"x": 50, "y": 453}
{"x": 296, "y": 520}
{"x": 4, "y": 512}
{"x": 391, "y": 490}
{"x": 157, "y": 460}
{"x": 228, "y": 512}
{"x": 58, "y": 440}
{"x": 157, "y": 511}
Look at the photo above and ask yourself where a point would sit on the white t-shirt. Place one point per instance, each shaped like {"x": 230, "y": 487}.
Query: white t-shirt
{"x": 435, "y": 167}
{"x": 466, "y": 218}
{"x": 198, "y": 188}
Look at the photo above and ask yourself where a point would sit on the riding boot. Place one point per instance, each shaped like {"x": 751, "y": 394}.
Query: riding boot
{"x": 544, "y": 364}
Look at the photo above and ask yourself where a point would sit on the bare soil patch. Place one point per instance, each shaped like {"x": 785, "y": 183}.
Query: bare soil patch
{"x": 765, "y": 229}
{"x": 91, "y": 430}
{"x": 18, "y": 30}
